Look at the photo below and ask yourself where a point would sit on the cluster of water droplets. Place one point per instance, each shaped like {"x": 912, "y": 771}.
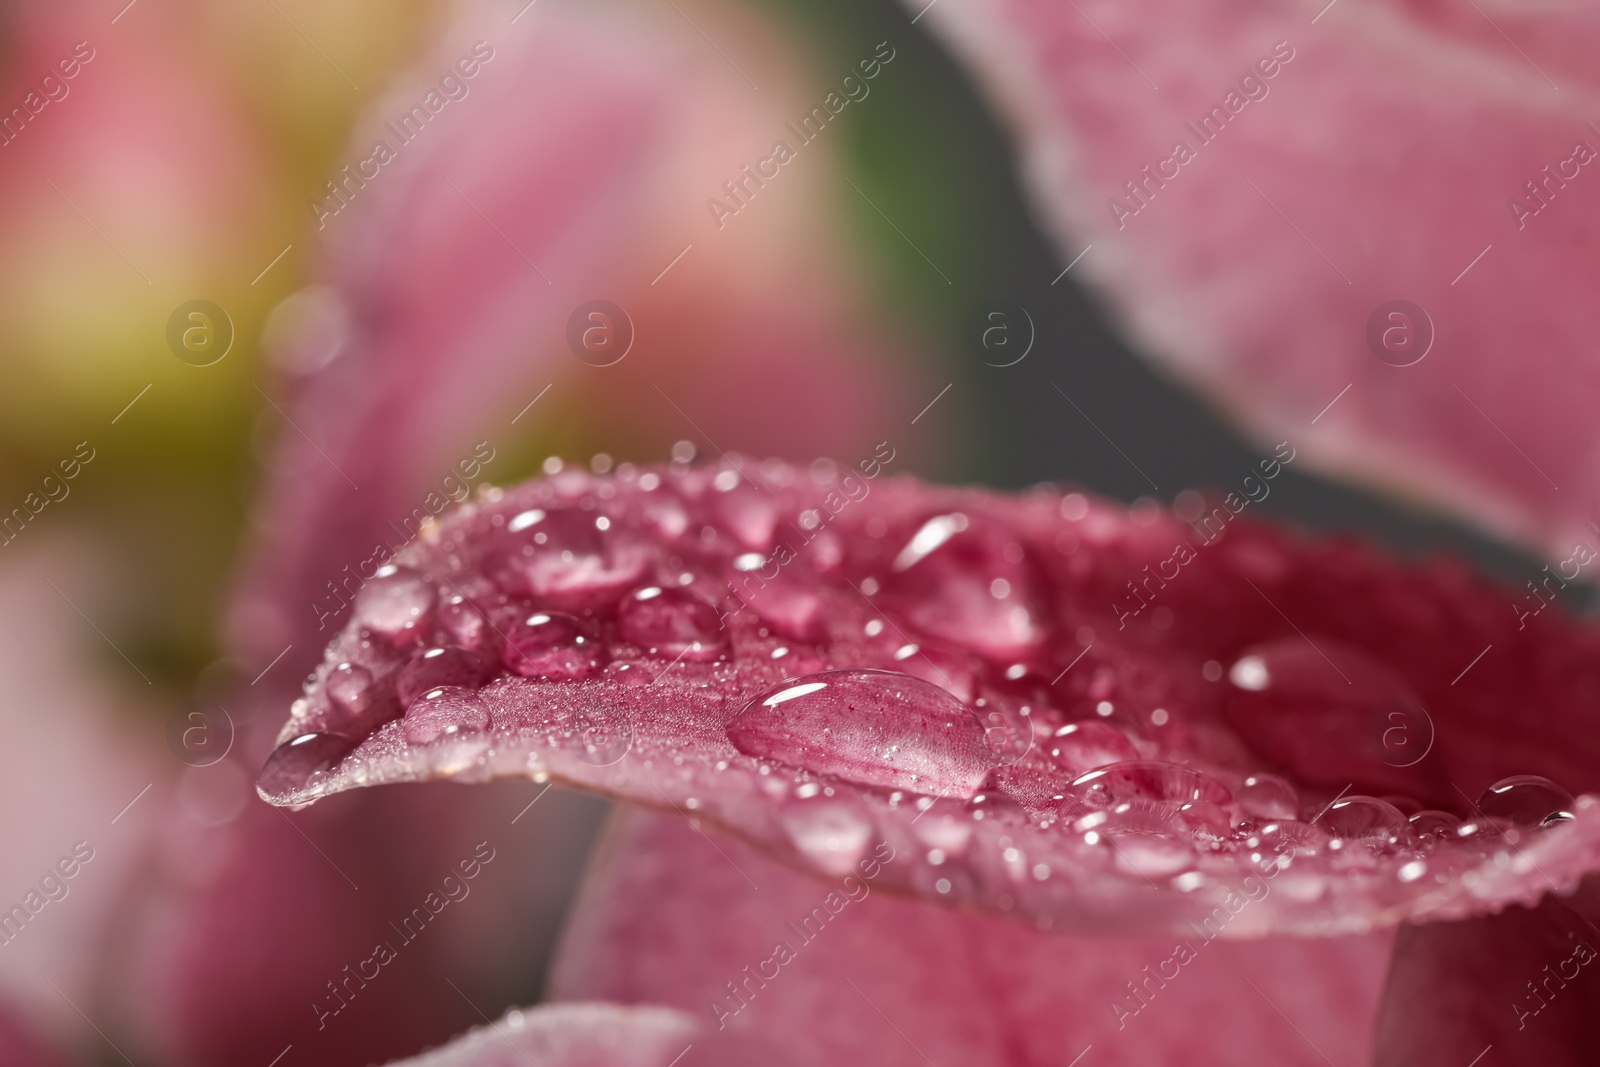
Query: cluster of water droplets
{"x": 904, "y": 674}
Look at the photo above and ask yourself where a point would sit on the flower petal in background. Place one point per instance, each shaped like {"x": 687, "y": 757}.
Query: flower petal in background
{"x": 1260, "y": 182}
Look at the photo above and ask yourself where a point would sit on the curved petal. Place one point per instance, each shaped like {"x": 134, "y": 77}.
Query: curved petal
{"x": 598, "y": 1035}
{"x": 1259, "y": 181}
{"x": 977, "y": 675}
{"x": 838, "y": 973}
{"x": 1520, "y": 982}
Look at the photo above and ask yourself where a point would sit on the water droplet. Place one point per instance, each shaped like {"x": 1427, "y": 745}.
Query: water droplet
{"x": 359, "y": 704}
{"x": 943, "y": 582}
{"x": 673, "y": 623}
{"x": 599, "y": 734}
{"x": 397, "y": 604}
{"x": 563, "y": 557}
{"x": 444, "y": 712}
{"x": 1082, "y": 746}
{"x": 1152, "y": 857}
{"x": 1266, "y": 796}
{"x": 552, "y": 646}
{"x": 1368, "y": 821}
{"x": 1330, "y": 714}
{"x": 293, "y": 763}
{"x": 748, "y": 514}
{"x": 1431, "y": 828}
{"x": 875, "y": 728}
{"x": 1527, "y": 800}
{"x": 446, "y": 665}
{"x": 464, "y": 622}
{"x": 790, "y": 607}
{"x": 1149, "y": 797}
{"x": 1290, "y": 837}
{"x": 830, "y": 831}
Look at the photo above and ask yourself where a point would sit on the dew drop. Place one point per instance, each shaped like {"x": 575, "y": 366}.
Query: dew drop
{"x": 397, "y": 604}
{"x": 552, "y": 646}
{"x": 293, "y": 763}
{"x": 1152, "y": 857}
{"x": 445, "y": 665}
{"x": 464, "y": 622}
{"x": 1367, "y": 821}
{"x": 1266, "y": 796}
{"x": 562, "y": 556}
{"x": 1082, "y": 746}
{"x": 871, "y": 727}
{"x": 1430, "y": 828}
{"x": 944, "y": 581}
{"x": 1148, "y": 797}
{"x": 446, "y": 711}
{"x": 673, "y": 623}
{"x": 359, "y": 704}
{"x": 831, "y": 832}
{"x": 1527, "y": 800}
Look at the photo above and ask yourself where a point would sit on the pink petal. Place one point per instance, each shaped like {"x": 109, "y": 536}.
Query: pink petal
{"x": 674, "y": 917}
{"x": 598, "y": 1035}
{"x": 453, "y": 275}
{"x": 1521, "y": 982}
{"x": 1204, "y": 672}
{"x": 1380, "y": 164}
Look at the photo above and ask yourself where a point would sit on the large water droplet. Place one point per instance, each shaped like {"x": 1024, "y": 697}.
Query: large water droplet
{"x": 673, "y": 623}
{"x": 1147, "y": 796}
{"x": 1331, "y": 715}
{"x": 565, "y": 557}
{"x": 832, "y": 832}
{"x": 293, "y": 763}
{"x": 359, "y": 704}
{"x": 397, "y": 604}
{"x": 465, "y": 623}
{"x": 876, "y": 728}
{"x": 1368, "y": 821}
{"x": 1527, "y": 800}
{"x": 1266, "y": 796}
{"x": 553, "y": 646}
{"x": 749, "y": 514}
{"x": 1082, "y": 746}
{"x": 969, "y": 581}
{"x": 447, "y": 665}
{"x": 446, "y": 711}
{"x": 788, "y": 605}
{"x": 1432, "y": 828}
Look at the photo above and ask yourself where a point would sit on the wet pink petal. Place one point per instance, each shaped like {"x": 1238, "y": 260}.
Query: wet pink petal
{"x": 598, "y": 1035}
{"x": 1522, "y": 982}
{"x": 839, "y": 971}
{"x": 1366, "y": 154}
{"x": 1277, "y": 703}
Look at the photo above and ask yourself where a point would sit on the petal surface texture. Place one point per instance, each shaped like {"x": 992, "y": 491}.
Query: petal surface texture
{"x": 1060, "y": 710}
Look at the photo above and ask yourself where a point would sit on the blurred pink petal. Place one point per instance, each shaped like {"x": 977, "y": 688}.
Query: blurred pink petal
{"x": 941, "y": 705}
{"x": 864, "y": 975}
{"x": 1367, "y": 154}
{"x": 413, "y": 369}
{"x": 1520, "y": 982}
{"x": 456, "y": 270}
{"x": 599, "y": 1035}
{"x": 79, "y": 788}
{"x": 20, "y": 1047}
